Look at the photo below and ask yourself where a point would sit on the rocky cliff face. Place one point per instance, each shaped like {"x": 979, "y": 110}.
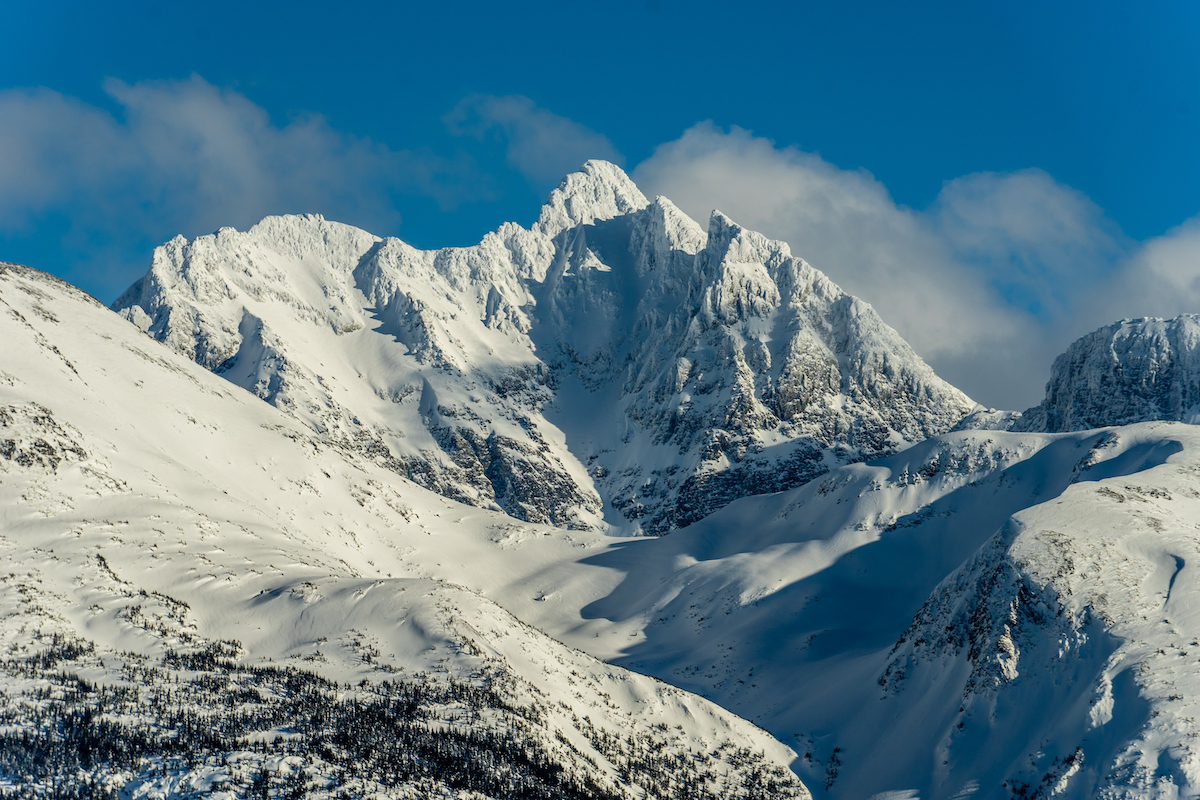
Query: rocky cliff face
{"x": 615, "y": 361}
{"x": 748, "y": 371}
{"x": 1135, "y": 370}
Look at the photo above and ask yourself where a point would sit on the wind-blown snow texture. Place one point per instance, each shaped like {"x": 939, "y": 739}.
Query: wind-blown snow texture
{"x": 1130, "y": 371}
{"x": 614, "y": 361}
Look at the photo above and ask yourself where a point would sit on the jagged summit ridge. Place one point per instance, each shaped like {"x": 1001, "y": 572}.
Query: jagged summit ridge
{"x": 762, "y": 378}
{"x": 189, "y": 297}
{"x": 347, "y": 331}
{"x": 1135, "y": 370}
{"x": 599, "y": 191}
{"x": 614, "y": 361}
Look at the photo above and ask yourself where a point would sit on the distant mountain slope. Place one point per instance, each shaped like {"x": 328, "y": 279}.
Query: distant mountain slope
{"x": 199, "y": 594}
{"x": 614, "y": 361}
{"x": 1131, "y": 371}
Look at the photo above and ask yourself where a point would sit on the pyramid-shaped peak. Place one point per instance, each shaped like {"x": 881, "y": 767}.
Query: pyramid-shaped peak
{"x": 727, "y": 240}
{"x": 600, "y": 190}
{"x": 669, "y": 210}
{"x": 680, "y": 230}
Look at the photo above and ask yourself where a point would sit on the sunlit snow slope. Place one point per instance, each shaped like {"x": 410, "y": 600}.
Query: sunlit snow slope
{"x": 182, "y": 564}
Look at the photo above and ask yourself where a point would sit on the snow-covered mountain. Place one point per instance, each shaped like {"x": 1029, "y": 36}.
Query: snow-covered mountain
{"x": 199, "y": 595}
{"x": 613, "y": 363}
{"x": 415, "y": 569}
{"x": 1130, "y": 371}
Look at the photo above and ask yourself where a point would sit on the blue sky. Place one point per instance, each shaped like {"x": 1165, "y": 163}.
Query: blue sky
{"x": 997, "y": 179}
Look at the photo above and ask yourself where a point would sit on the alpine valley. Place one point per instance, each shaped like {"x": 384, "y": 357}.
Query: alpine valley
{"x": 614, "y": 506}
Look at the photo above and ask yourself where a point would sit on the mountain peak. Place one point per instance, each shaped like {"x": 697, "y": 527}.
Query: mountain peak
{"x": 600, "y": 190}
{"x": 730, "y": 242}
{"x": 729, "y": 346}
{"x": 1134, "y": 370}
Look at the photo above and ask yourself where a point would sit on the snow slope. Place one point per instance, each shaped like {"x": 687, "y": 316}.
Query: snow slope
{"x": 991, "y": 613}
{"x": 613, "y": 364}
{"x": 163, "y": 533}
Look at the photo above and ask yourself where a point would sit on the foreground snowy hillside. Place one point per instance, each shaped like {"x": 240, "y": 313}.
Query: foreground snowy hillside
{"x": 200, "y": 595}
{"x": 990, "y": 613}
{"x": 613, "y": 362}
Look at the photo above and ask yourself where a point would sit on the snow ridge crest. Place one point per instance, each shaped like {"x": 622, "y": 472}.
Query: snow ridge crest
{"x": 599, "y": 191}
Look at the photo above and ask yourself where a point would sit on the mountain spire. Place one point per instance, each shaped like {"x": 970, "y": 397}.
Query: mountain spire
{"x": 599, "y": 191}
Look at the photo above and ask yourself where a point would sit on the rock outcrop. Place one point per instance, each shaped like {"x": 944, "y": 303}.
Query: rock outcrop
{"x": 1135, "y": 370}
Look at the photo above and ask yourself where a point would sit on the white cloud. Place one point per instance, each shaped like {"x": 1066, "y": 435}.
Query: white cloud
{"x": 1038, "y": 242}
{"x": 988, "y": 284}
{"x": 541, "y": 145}
{"x": 1162, "y": 279}
{"x": 189, "y": 157}
{"x": 52, "y": 148}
